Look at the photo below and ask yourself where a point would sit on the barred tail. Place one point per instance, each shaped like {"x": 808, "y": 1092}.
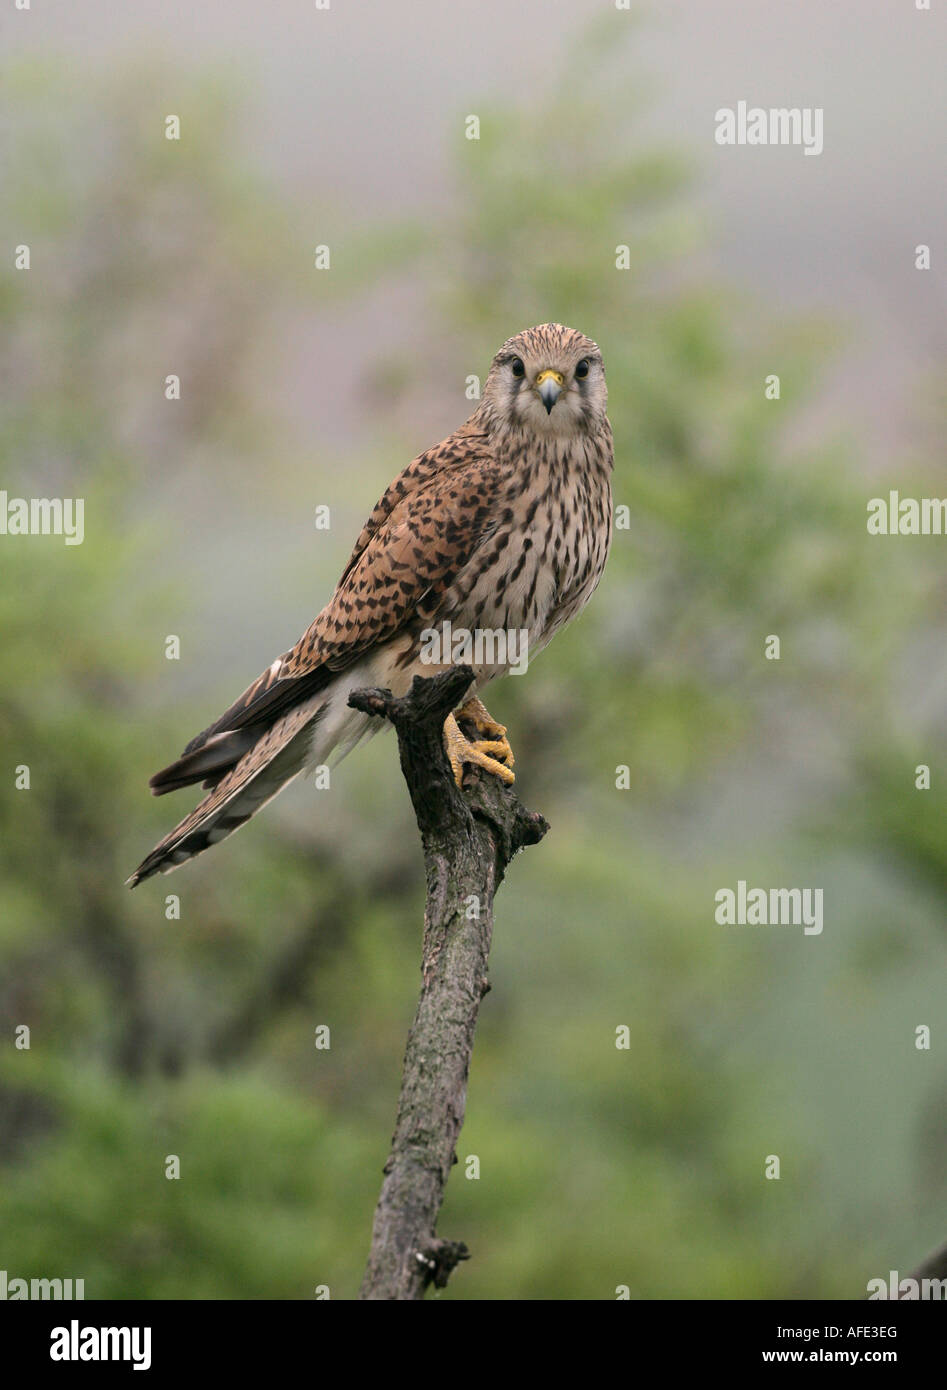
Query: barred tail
{"x": 272, "y": 760}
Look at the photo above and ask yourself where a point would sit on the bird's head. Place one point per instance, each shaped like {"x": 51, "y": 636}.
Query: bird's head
{"x": 547, "y": 380}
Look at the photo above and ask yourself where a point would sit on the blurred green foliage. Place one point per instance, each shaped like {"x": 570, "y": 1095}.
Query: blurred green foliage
{"x": 152, "y": 1036}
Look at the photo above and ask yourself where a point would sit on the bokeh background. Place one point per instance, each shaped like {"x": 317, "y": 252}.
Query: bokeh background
{"x": 599, "y": 1167}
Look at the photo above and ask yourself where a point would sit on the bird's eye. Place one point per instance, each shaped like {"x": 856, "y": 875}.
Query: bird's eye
{"x": 582, "y": 369}
{"x": 518, "y": 368}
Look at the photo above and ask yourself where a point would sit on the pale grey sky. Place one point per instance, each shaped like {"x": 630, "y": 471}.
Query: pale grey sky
{"x": 835, "y": 232}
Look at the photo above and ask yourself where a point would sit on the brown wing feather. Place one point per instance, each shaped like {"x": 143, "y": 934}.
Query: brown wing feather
{"x": 419, "y": 535}
{"x": 460, "y": 448}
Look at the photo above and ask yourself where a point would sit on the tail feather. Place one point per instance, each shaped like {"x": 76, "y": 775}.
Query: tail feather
{"x": 207, "y": 764}
{"x": 275, "y": 757}
{"x": 248, "y": 765}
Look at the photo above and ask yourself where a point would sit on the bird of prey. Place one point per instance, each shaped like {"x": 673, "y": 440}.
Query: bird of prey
{"x": 505, "y": 527}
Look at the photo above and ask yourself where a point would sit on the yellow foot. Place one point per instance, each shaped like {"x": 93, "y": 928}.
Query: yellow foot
{"x": 493, "y": 753}
{"x": 475, "y": 713}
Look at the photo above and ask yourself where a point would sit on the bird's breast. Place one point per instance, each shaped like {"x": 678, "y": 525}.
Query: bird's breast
{"x": 540, "y": 565}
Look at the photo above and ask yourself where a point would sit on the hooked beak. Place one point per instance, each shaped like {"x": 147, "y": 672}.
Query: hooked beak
{"x": 549, "y": 384}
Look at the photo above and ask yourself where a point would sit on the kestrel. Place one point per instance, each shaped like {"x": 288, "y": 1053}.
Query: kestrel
{"x": 502, "y": 529}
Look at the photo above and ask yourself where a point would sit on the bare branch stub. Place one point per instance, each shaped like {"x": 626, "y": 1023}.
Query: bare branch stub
{"x": 468, "y": 839}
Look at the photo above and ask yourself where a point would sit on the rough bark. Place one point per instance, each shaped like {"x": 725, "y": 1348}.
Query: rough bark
{"x": 468, "y": 840}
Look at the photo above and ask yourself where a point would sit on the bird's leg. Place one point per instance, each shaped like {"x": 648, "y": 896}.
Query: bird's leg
{"x": 492, "y": 753}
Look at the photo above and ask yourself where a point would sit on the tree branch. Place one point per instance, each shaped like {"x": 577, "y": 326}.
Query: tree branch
{"x": 468, "y": 840}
